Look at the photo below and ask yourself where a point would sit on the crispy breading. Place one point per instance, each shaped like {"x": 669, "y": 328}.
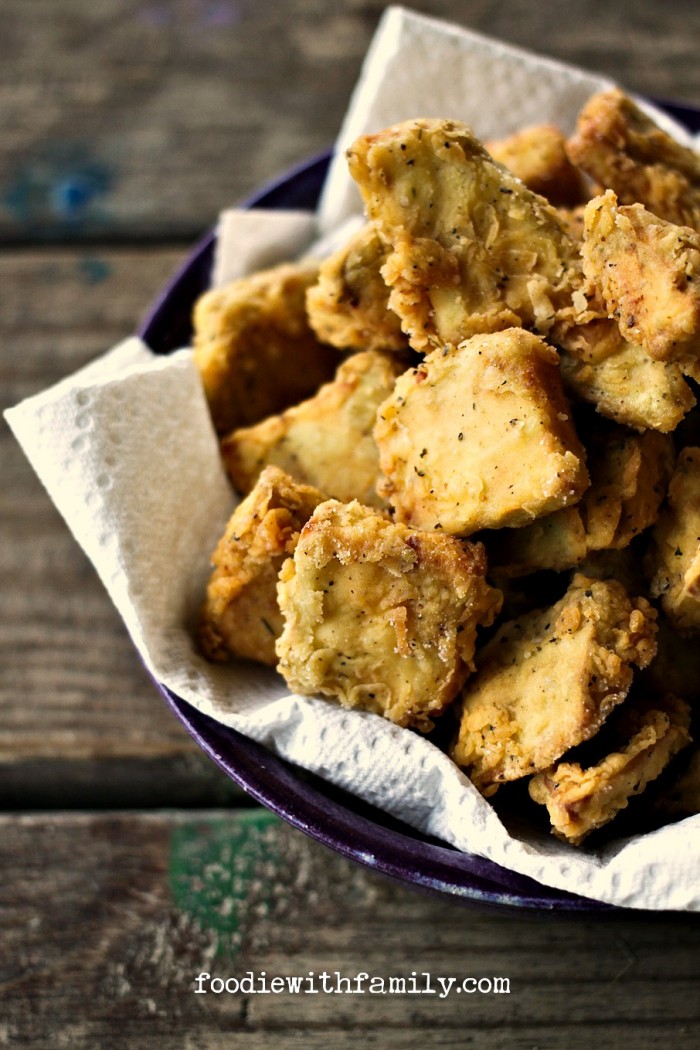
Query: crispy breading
{"x": 473, "y": 250}
{"x": 556, "y": 541}
{"x": 254, "y": 348}
{"x": 573, "y": 221}
{"x": 380, "y": 616}
{"x": 325, "y": 441}
{"x": 240, "y": 616}
{"x": 646, "y": 465}
{"x": 620, "y": 379}
{"x": 624, "y": 150}
{"x": 674, "y": 556}
{"x": 348, "y": 307}
{"x": 456, "y": 431}
{"x": 647, "y": 272}
{"x": 615, "y": 465}
{"x": 548, "y": 680}
{"x": 629, "y": 473}
{"x": 580, "y": 800}
{"x": 537, "y": 155}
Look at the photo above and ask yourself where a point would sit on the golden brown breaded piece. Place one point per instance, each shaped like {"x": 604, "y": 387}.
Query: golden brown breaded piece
{"x": 473, "y": 250}
{"x": 573, "y": 221}
{"x": 254, "y": 348}
{"x": 647, "y": 272}
{"x": 380, "y": 616}
{"x": 457, "y": 437}
{"x": 240, "y": 616}
{"x": 348, "y": 307}
{"x": 580, "y": 800}
{"x": 674, "y": 556}
{"x": 620, "y": 379}
{"x": 624, "y": 150}
{"x": 629, "y": 473}
{"x": 548, "y": 680}
{"x": 556, "y": 542}
{"x": 646, "y": 464}
{"x": 325, "y": 441}
{"x": 537, "y": 155}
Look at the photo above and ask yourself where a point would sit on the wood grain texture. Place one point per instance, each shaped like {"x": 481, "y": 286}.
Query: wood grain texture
{"x": 108, "y": 920}
{"x": 80, "y": 720}
{"x": 191, "y": 104}
{"x": 127, "y": 125}
{"x": 141, "y": 120}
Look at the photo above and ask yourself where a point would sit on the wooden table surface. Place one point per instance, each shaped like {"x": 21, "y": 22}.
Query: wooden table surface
{"x": 129, "y": 863}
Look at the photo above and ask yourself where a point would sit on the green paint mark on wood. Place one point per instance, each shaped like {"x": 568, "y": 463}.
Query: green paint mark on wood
{"x": 221, "y": 874}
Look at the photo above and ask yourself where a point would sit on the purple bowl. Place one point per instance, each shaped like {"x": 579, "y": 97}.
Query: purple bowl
{"x": 327, "y": 814}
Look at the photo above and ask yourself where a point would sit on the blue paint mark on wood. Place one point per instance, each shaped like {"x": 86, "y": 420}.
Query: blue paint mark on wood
{"x": 71, "y": 196}
{"x": 61, "y": 188}
{"x": 94, "y": 271}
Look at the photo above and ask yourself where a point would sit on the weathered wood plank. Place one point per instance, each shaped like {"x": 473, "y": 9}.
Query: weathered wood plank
{"x": 149, "y": 901}
{"x": 147, "y": 1035}
{"x": 143, "y": 119}
{"x": 80, "y": 721}
{"x": 130, "y": 121}
{"x": 501, "y": 1038}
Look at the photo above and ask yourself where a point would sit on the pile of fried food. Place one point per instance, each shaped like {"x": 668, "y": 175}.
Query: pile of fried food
{"x": 465, "y": 443}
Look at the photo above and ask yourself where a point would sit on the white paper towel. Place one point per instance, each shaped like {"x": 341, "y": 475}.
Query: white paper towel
{"x": 126, "y": 450}
{"x": 256, "y": 238}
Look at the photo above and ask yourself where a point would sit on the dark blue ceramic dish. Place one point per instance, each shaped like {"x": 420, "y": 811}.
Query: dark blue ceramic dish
{"x": 338, "y": 820}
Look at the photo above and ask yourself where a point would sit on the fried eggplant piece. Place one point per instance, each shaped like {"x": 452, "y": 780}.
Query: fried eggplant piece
{"x": 456, "y": 431}
{"x": 325, "y": 441}
{"x": 573, "y": 221}
{"x": 379, "y": 616}
{"x": 674, "y": 556}
{"x": 629, "y": 473}
{"x": 348, "y": 307}
{"x": 537, "y": 155}
{"x": 548, "y": 680}
{"x": 241, "y": 617}
{"x": 473, "y": 250}
{"x": 580, "y": 800}
{"x": 556, "y": 541}
{"x": 624, "y": 150}
{"x": 254, "y": 348}
{"x": 620, "y": 379}
{"x": 645, "y": 468}
{"x": 647, "y": 272}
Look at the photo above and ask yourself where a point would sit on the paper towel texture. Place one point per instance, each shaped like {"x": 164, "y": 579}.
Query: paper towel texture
{"x": 417, "y": 66}
{"x": 126, "y": 450}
